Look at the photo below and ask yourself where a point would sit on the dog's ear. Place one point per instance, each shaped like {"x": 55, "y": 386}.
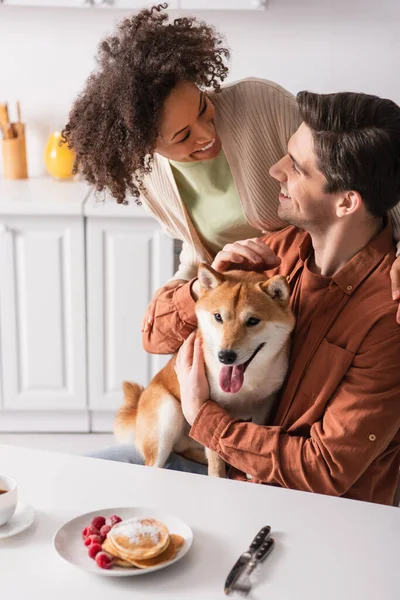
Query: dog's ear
{"x": 278, "y": 288}
{"x": 208, "y": 278}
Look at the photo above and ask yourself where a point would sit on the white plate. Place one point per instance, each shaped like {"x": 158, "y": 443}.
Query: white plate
{"x": 69, "y": 543}
{"x": 21, "y": 520}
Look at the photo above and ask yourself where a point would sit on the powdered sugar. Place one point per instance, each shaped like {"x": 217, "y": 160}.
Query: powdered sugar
{"x": 135, "y": 529}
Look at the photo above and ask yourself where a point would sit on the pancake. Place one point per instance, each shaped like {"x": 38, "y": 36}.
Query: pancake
{"x": 138, "y": 539}
{"x": 175, "y": 544}
{"x": 169, "y": 553}
{"x": 117, "y": 561}
{"x": 124, "y": 555}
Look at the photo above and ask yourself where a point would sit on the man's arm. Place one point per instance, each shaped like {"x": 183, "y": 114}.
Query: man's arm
{"x": 174, "y": 320}
{"x": 361, "y": 419}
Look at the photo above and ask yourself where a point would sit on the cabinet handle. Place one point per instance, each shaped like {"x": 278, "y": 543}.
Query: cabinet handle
{"x": 259, "y": 3}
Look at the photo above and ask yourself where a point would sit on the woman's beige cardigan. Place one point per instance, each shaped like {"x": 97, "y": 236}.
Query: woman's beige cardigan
{"x": 254, "y": 119}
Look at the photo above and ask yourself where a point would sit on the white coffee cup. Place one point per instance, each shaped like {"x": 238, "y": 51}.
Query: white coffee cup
{"x": 8, "y": 500}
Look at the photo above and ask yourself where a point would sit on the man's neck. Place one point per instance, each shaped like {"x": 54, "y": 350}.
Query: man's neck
{"x": 336, "y": 246}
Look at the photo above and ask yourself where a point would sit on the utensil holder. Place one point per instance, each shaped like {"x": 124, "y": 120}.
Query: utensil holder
{"x": 14, "y": 154}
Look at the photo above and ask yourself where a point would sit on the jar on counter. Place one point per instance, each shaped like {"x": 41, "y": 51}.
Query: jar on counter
{"x": 58, "y": 159}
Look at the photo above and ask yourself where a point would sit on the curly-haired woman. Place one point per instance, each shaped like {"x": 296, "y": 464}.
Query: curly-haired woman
{"x": 154, "y": 122}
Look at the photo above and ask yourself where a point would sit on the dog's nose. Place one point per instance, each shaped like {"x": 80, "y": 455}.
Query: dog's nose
{"x": 227, "y": 357}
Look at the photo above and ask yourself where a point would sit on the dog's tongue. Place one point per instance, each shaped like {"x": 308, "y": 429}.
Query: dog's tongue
{"x": 231, "y": 378}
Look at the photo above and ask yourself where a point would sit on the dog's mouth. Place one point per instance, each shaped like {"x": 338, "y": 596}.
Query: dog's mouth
{"x": 231, "y": 378}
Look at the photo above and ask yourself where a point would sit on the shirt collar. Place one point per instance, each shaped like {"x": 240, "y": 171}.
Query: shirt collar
{"x": 360, "y": 266}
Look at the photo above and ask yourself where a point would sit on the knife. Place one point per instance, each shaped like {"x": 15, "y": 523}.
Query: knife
{"x": 243, "y": 584}
{"x": 244, "y": 559}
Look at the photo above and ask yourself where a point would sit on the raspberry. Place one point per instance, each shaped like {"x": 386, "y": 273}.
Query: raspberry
{"x": 113, "y": 520}
{"x": 98, "y": 522}
{"x": 103, "y": 560}
{"x": 93, "y": 539}
{"x": 94, "y": 550}
{"x": 104, "y": 530}
{"x": 90, "y": 531}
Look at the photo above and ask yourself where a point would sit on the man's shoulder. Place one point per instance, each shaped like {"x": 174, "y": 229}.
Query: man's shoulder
{"x": 286, "y": 243}
{"x": 368, "y": 318}
{"x": 373, "y": 307}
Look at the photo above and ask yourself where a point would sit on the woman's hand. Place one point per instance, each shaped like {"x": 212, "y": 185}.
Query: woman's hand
{"x": 395, "y": 278}
{"x": 148, "y": 318}
{"x": 247, "y": 255}
{"x": 192, "y": 378}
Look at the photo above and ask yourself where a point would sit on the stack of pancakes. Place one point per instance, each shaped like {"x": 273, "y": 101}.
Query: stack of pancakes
{"x": 141, "y": 543}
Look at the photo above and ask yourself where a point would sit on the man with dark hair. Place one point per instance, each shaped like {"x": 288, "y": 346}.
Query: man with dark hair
{"x": 356, "y": 140}
{"x": 337, "y": 425}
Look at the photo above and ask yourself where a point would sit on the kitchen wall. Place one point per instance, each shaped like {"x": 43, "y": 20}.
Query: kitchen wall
{"x": 323, "y": 45}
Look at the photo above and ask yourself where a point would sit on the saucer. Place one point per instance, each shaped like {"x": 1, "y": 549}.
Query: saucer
{"x": 21, "y": 520}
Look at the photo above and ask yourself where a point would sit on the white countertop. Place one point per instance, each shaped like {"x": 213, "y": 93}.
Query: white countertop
{"x": 326, "y": 548}
{"x": 102, "y": 204}
{"x": 47, "y": 196}
{"x": 42, "y": 196}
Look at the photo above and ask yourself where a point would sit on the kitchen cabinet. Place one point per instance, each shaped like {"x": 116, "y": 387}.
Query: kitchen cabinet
{"x": 76, "y": 275}
{"x": 128, "y": 259}
{"x": 42, "y": 304}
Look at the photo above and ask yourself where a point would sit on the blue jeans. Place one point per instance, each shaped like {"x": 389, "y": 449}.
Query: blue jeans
{"x": 128, "y": 453}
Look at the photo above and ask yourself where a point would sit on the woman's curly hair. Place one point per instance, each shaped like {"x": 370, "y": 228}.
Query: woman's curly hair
{"x": 114, "y": 123}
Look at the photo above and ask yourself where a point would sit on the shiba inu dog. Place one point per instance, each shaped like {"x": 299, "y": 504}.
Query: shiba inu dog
{"x": 245, "y": 322}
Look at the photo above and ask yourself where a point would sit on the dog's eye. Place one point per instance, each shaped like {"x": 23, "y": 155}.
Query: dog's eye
{"x": 218, "y": 317}
{"x": 252, "y": 321}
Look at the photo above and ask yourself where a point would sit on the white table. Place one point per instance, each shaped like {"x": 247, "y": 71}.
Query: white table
{"x": 326, "y": 548}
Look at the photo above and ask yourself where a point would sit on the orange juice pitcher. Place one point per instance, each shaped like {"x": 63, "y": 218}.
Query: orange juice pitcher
{"x": 59, "y": 160}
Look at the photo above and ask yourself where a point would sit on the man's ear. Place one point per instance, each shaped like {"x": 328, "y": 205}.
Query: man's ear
{"x": 278, "y": 288}
{"x": 349, "y": 203}
{"x": 208, "y": 278}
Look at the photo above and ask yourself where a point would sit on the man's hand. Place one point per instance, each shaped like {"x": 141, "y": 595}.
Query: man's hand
{"x": 192, "y": 378}
{"x": 247, "y": 255}
{"x": 395, "y": 277}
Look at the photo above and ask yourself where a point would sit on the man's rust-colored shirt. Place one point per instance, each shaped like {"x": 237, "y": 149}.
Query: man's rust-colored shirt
{"x": 337, "y": 425}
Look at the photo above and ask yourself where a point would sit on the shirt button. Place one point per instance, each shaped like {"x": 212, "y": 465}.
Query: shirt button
{"x": 372, "y": 437}
{"x": 349, "y": 288}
